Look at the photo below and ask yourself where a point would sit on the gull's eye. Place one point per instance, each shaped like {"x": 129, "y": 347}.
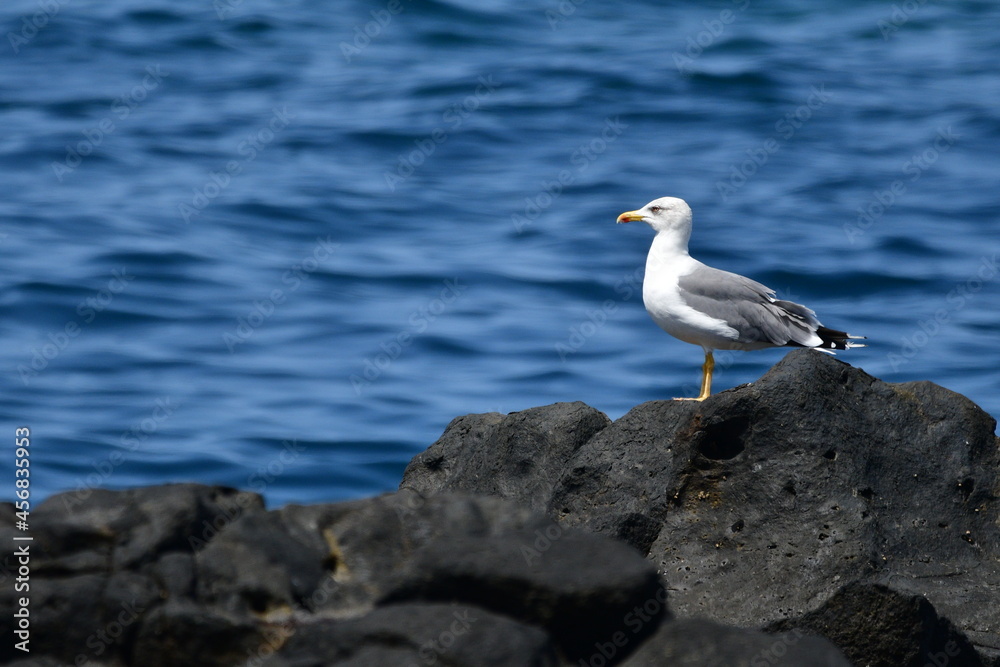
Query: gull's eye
{"x": 655, "y": 209}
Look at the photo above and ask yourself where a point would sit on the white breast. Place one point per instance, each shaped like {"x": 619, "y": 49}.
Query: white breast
{"x": 661, "y": 296}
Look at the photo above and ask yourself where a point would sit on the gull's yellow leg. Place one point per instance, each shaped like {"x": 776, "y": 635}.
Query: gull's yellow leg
{"x": 706, "y": 379}
{"x": 706, "y": 376}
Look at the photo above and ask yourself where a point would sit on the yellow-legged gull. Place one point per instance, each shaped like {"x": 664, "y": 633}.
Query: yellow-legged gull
{"x": 716, "y": 309}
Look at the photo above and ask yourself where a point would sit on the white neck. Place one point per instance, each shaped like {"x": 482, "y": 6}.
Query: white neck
{"x": 667, "y": 248}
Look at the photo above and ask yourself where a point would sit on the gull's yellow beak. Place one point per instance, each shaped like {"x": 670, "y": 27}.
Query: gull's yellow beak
{"x": 629, "y": 216}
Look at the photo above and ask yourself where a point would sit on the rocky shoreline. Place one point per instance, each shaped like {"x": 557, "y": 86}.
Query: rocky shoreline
{"x": 816, "y": 517}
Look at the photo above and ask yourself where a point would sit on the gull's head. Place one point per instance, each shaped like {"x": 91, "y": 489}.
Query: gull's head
{"x": 666, "y": 214}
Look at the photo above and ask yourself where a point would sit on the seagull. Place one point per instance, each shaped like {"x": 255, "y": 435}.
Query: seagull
{"x": 716, "y": 309}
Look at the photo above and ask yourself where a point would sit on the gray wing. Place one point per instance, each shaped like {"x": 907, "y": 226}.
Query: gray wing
{"x": 748, "y": 307}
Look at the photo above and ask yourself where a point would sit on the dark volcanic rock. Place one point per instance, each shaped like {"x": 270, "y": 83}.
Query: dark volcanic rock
{"x": 761, "y": 502}
{"x": 193, "y": 575}
{"x": 95, "y": 563}
{"x": 418, "y": 634}
{"x": 519, "y": 456}
{"x": 879, "y": 627}
{"x": 698, "y": 642}
{"x": 180, "y": 632}
{"x": 97, "y": 530}
{"x": 569, "y": 584}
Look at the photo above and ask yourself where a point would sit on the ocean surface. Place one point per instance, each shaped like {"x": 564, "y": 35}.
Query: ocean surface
{"x": 280, "y": 245}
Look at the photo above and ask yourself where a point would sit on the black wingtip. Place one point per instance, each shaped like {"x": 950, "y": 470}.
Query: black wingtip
{"x": 838, "y": 340}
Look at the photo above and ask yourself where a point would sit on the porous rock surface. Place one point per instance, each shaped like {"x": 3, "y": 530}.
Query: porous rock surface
{"x": 767, "y": 505}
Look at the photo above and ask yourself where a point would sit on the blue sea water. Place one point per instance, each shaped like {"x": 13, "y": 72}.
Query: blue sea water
{"x": 280, "y": 245}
